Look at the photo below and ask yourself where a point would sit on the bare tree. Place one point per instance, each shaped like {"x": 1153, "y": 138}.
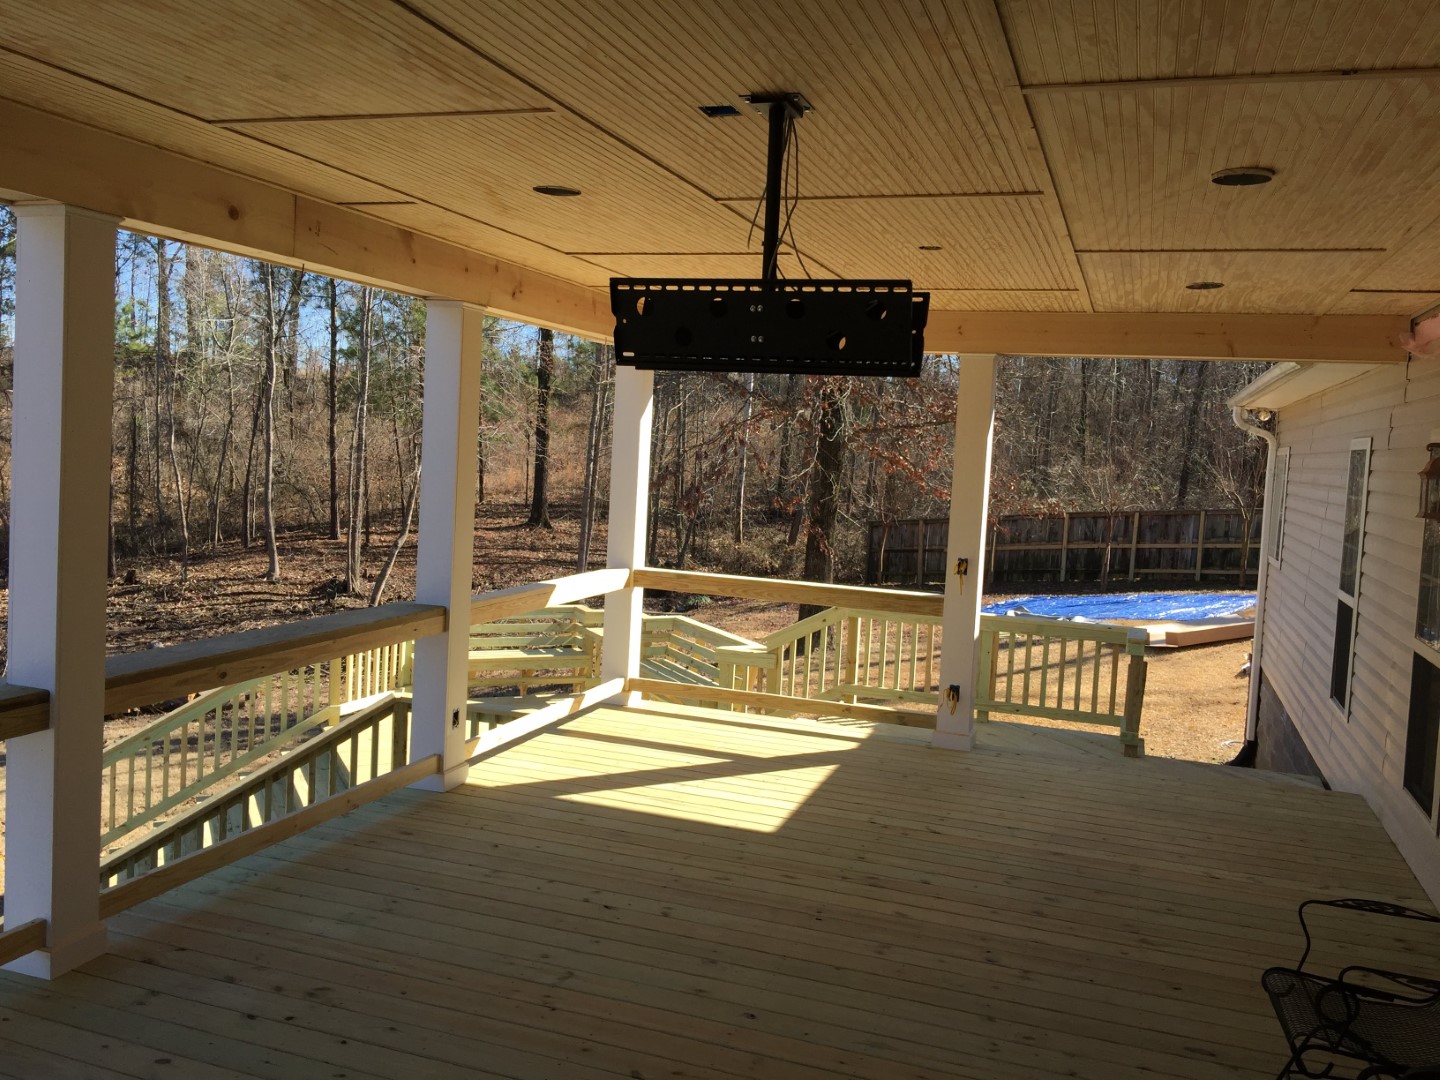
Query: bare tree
{"x": 544, "y": 375}
{"x": 358, "y": 455}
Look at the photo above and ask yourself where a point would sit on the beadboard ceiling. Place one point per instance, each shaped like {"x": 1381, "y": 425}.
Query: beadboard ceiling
{"x": 1057, "y": 152}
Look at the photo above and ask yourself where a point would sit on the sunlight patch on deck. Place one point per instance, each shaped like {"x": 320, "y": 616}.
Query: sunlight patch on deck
{"x": 709, "y": 802}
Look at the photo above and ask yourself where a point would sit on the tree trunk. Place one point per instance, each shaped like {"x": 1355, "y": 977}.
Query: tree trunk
{"x": 544, "y": 373}
{"x": 181, "y": 503}
{"x": 224, "y": 455}
{"x": 356, "y": 509}
{"x": 132, "y": 481}
{"x": 744, "y": 457}
{"x": 162, "y": 363}
{"x": 593, "y": 447}
{"x": 332, "y": 399}
{"x": 825, "y": 490}
{"x": 1192, "y": 426}
{"x": 267, "y": 398}
{"x": 383, "y": 578}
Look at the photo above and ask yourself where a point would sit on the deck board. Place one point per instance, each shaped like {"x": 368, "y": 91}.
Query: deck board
{"x": 673, "y": 892}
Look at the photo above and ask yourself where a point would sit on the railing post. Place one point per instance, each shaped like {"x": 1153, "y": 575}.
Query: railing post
{"x": 985, "y": 687}
{"x": 1135, "y": 673}
{"x": 454, "y": 342}
{"x": 629, "y": 496}
{"x": 64, "y": 379}
{"x": 969, "y": 496}
{"x": 850, "y": 665}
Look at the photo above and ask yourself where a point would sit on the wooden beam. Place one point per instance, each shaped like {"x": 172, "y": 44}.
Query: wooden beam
{"x": 785, "y": 591}
{"x": 143, "y": 678}
{"x": 155, "y": 191}
{"x": 21, "y": 941}
{"x": 23, "y": 710}
{"x": 1359, "y": 339}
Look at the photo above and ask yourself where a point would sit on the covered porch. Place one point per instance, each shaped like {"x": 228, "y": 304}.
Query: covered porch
{"x": 612, "y": 884}
{"x": 660, "y": 890}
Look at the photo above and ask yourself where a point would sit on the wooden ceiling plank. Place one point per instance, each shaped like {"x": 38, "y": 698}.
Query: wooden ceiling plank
{"x": 157, "y": 191}
{"x": 988, "y": 25}
{"x": 208, "y": 56}
{"x": 1366, "y": 339}
{"x": 54, "y": 90}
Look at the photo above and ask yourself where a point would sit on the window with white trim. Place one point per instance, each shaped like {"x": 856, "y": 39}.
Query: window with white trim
{"x": 1347, "y": 594}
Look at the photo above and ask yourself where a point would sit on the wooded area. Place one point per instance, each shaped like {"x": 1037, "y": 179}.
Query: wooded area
{"x": 255, "y": 403}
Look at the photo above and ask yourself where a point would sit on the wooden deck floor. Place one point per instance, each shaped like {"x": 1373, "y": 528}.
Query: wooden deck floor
{"x": 670, "y": 893}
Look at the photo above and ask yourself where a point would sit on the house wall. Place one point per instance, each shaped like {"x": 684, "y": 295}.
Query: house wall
{"x": 1398, "y": 408}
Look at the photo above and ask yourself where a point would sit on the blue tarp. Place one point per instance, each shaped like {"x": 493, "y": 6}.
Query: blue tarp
{"x": 1147, "y": 607}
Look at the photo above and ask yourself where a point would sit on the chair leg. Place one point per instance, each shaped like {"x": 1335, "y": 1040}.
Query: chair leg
{"x": 1296, "y": 1066}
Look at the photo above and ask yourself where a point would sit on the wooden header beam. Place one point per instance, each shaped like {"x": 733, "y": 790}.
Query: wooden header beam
{"x": 156, "y": 191}
{"x": 1354, "y": 339}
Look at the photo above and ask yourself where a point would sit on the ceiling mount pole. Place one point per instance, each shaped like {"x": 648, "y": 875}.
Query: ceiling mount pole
{"x": 779, "y": 117}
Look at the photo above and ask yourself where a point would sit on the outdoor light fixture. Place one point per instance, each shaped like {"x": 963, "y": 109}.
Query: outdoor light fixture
{"x": 555, "y": 189}
{"x": 716, "y": 112}
{"x": 1245, "y": 176}
{"x": 1202, "y": 286}
{"x": 1430, "y": 485}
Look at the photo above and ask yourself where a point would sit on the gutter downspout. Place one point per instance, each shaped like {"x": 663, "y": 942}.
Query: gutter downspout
{"x": 1240, "y": 417}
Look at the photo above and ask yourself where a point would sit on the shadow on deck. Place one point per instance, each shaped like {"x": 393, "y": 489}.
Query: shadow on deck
{"x": 669, "y": 892}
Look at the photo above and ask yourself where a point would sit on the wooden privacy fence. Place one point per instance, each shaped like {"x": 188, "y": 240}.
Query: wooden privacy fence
{"x": 1133, "y": 545}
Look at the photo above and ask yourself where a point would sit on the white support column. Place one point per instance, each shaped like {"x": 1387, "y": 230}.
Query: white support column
{"x": 969, "y": 497}
{"x": 454, "y": 342}
{"x": 629, "y": 505}
{"x": 59, "y": 511}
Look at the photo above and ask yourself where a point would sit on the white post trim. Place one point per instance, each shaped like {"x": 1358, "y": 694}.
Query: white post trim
{"x": 969, "y": 501}
{"x": 629, "y": 506}
{"x": 445, "y": 557}
{"x": 60, "y": 507}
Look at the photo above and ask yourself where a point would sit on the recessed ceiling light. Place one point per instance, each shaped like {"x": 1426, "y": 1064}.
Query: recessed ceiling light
{"x": 715, "y": 112}
{"x": 1245, "y": 176}
{"x": 555, "y": 189}
{"x": 1201, "y": 286}
{"x": 930, "y": 247}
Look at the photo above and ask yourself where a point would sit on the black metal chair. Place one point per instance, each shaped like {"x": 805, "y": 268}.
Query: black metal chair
{"x": 1390, "y": 1031}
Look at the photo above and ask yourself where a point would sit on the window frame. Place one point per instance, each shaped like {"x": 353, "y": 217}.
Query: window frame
{"x": 1351, "y": 599}
{"x": 1275, "y": 550}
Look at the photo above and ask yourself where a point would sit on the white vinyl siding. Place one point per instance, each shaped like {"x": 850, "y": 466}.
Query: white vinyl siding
{"x": 1396, "y": 408}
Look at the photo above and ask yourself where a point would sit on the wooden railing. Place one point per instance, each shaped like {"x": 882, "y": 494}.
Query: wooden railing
{"x": 554, "y": 646}
{"x": 344, "y": 761}
{"x": 364, "y": 746}
{"x": 849, "y": 654}
{"x": 190, "y": 750}
{"x": 318, "y": 692}
{"x": 23, "y": 710}
{"x": 875, "y": 650}
{"x": 1064, "y": 671}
